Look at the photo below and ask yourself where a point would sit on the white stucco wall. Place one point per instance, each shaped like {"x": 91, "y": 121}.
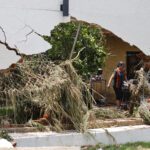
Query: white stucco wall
{"x": 128, "y": 19}
{"x": 7, "y": 57}
{"x": 19, "y": 17}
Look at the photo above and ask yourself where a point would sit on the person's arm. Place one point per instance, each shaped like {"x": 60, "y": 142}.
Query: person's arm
{"x": 110, "y": 80}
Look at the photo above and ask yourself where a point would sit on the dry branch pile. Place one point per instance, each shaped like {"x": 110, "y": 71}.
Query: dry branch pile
{"x": 142, "y": 85}
{"x": 141, "y": 92}
{"x": 144, "y": 111}
{"x": 38, "y": 86}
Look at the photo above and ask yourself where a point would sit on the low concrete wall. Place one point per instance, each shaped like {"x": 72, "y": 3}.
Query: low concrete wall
{"x": 118, "y": 135}
{"x": 44, "y": 148}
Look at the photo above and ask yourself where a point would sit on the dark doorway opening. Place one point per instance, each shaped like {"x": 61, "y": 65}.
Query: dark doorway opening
{"x": 133, "y": 64}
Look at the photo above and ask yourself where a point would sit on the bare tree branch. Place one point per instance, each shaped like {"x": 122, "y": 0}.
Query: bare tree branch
{"x": 75, "y": 41}
{"x": 78, "y": 54}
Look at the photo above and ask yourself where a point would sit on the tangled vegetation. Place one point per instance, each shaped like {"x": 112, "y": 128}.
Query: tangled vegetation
{"x": 4, "y": 135}
{"x": 108, "y": 113}
{"x": 90, "y": 46}
{"x": 144, "y": 111}
{"x": 38, "y": 86}
{"x": 140, "y": 89}
{"x": 48, "y": 85}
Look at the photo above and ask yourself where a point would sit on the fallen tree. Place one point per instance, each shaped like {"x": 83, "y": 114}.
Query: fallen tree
{"x": 144, "y": 111}
{"x": 38, "y": 86}
{"x": 140, "y": 94}
{"x": 47, "y": 86}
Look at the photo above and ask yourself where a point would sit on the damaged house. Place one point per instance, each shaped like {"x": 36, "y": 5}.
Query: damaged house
{"x": 122, "y": 51}
{"x": 49, "y": 95}
{"x": 126, "y": 28}
{"x": 127, "y": 32}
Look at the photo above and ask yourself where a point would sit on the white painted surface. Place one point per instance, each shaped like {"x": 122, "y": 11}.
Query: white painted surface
{"x": 19, "y": 17}
{"x": 128, "y": 19}
{"x": 7, "y": 57}
{"x": 92, "y": 137}
{"x": 5, "y": 144}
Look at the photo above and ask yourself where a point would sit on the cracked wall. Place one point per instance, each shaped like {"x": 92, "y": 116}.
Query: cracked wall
{"x": 22, "y": 22}
{"x": 7, "y": 57}
{"x": 128, "y": 19}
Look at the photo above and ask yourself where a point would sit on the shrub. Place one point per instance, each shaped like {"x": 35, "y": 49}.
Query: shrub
{"x": 90, "y": 39}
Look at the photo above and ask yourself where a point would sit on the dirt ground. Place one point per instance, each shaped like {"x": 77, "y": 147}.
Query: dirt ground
{"x": 102, "y": 117}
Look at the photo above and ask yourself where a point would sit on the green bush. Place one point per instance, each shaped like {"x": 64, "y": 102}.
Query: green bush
{"x": 4, "y": 134}
{"x": 90, "y": 38}
{"x": 7, "y": 111}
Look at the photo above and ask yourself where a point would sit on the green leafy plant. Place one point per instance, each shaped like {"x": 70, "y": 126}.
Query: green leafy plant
{"x": 4, "y": 134}
{"x": 90, "y": 46}
{"x": 7, "y": 111}
{"x": 129, "y": 146}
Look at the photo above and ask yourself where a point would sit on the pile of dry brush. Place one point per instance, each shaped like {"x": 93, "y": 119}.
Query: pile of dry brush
{"x": 141, "y": 93}
{"x": 38, "y": 86}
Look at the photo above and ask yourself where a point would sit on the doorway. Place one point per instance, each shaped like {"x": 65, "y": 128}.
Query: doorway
{"x": 133, "y": 64}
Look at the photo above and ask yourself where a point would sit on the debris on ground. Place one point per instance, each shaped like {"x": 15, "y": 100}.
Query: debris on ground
{"x": 142, "y": 84}
{"x": 108, "y": 113}
{"x": 38, "y": 86}
{"x": 105, "y": 117}
{"x": 139, "y": 88}
{"x": 144, "y": 111}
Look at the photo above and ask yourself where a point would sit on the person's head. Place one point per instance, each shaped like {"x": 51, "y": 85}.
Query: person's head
{"x": 121, "y": 65}
{"x": 99, "y": 71}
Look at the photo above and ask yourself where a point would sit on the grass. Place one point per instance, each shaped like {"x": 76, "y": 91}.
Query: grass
{"x": 129, "y": 146}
